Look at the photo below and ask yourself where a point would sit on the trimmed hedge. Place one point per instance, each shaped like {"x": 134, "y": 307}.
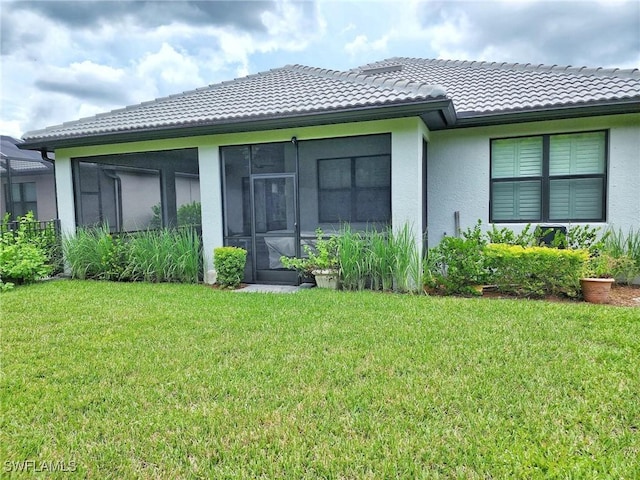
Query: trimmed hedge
{"x": 534, "y": 271}
{"x": 229, "y": 263}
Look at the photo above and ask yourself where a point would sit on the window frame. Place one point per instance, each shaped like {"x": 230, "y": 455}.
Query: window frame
{"x": 21, "y": 205}
{"x": 545, "y": 179}
{"x": 353, "y": 190}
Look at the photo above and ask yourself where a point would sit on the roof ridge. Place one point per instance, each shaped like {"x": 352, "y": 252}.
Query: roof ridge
{"x": 587, "y": 71}
{"x": 399, "y": 85}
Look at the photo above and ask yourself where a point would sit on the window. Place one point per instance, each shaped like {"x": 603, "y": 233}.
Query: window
{"x": 549, "y": 178}
{"x": 356, "y": 189}
{"x": 24, "y": 199}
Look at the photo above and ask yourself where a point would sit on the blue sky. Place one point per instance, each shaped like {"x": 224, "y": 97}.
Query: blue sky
{"x": 63, "y": 60}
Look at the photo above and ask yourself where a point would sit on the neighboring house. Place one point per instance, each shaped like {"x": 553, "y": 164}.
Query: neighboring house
{"x": 27, "y": 182}
{"x": 431, "y": 143}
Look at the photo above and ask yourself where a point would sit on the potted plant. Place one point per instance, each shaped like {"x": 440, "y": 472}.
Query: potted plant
{"x": 598, "y": 276}
{"x": 321, "y": 261}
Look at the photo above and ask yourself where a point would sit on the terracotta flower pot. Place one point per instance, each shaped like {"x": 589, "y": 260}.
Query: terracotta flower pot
{"x": 596, "y": 290}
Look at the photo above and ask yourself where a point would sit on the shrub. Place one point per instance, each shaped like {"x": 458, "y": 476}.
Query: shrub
{"x": 534, "y": 271}
{"x": 581, "y": 237}
{"x": 23, "y": 254}
{"x": 457, "y": 264}
{"x": 229, "y": 263}
{"x": 525, "y": 238}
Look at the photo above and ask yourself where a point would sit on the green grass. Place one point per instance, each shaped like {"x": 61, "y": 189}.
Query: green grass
{"x": 182, "y": 381}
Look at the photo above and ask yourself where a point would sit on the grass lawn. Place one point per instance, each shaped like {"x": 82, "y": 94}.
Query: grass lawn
{"x": 182, "y": 381}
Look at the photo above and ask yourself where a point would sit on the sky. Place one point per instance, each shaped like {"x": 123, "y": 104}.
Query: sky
{"x": 65, "y": 60}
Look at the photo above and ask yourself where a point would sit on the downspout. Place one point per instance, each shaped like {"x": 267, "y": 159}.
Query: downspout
{"x": 9, "y": 188}
{"x": 43, "y": 155}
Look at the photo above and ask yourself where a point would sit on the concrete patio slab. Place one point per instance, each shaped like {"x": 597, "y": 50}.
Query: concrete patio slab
{"x": 255, "y": 288}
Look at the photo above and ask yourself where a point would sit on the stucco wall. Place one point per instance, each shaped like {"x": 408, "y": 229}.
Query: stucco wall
{"x": 458, "y": 171}
{"x": 45, "y": 192}
{"x": 407, "y": 135}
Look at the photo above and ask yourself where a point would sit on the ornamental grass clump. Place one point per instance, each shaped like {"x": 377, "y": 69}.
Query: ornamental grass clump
{"x": 162, "y": 255}
{"x": 94, "y": 253}
{"x": 625, "y": 248}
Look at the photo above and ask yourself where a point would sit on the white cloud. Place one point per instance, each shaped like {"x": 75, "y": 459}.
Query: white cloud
{"x": 176, "y": 70}
{"x": 63, "y": 60}
{"x": 361, "y": 44}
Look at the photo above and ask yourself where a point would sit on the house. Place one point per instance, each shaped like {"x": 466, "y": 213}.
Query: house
{"x": 435, "y": 144}
{"x": 27, "y": 182}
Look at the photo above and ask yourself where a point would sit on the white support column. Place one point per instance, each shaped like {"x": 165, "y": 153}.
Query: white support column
{"x": 407, "y": 176}
{"x": 65, "y": 198}
{"x": 64, "y": 194}
{"x": 211, "y": 202}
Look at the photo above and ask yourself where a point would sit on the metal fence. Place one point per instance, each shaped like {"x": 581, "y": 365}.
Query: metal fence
{"x": 33, "y": 228}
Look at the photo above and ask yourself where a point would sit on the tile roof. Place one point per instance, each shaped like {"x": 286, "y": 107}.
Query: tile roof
{"x": 475, "y": 88}
{"x": 22, "y": 162}
{"x": 481, "y": 87}
{"x": 288, "y": 91}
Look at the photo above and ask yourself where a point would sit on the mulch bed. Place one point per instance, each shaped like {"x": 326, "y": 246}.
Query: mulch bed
{"x": 621, "y": 296}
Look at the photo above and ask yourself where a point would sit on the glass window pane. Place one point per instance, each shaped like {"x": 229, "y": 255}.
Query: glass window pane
{"x": 373, "y": 171}
{"x": 577, "y": 154}
{"x": 516, "y": 201}
{"x": 29, "y": 192}
{"x": 16, "y": 192}
{"x": 516, "y": 157}
{"x": 334, "y": 173}
{"x": 576, "y": 199}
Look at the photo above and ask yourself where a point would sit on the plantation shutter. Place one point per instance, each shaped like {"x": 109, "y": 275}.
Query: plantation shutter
{"x": 576, "y": 154}
{"x": 517, "y": 159}
{"x": 516, "y": 200}
{"x": 576, "y": 199}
